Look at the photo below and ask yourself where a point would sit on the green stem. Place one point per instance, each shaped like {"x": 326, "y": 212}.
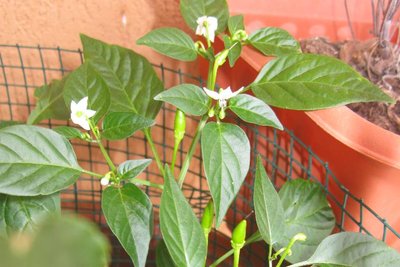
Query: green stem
{"x": 252, "y": 239}
{"x": 97, "y": 135}
{"x": 286, "y": 252}
{"x": 154, "y": 150}
{"x": 147, "y": 183}
{"x": 176, "y": 146}
{"x": 94, "y": 174}
{"x": 269, "y": 256}
{"x": 189, "y": 155}
{"x": 236, "y": 257}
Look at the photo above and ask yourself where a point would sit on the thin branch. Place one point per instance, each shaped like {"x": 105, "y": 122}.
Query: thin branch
{"x": 348, "y": 20}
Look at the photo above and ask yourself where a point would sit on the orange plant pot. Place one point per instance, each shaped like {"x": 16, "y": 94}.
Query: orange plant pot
{"x": 364, "y": 157}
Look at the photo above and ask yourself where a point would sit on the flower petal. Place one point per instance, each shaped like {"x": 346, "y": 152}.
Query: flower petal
{"x": 74, "y": 106}
{"x": 226, "y": 93}
{"x": 212, "y": 94}
{"x": 83, "y": 103}
{"x": 237, "y": 92}
{"x": 85, "y": 124}
{"x": 90, "y": 113}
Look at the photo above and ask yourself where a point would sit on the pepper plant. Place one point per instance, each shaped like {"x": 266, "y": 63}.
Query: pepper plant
{"x": 116, "y": 93}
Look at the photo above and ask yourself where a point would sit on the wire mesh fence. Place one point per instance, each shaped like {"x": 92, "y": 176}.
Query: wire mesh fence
{"x": 24, "y": 68}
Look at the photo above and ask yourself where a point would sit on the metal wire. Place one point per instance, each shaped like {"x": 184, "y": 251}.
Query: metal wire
{"x": 24, "y": 68}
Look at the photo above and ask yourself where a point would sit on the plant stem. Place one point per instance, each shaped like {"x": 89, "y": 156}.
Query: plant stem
{"x": 269, "y": 256}
{"x": 189, "y": 155}
{"x": 94, "y": 174}
{"x": 97, "y": 135}
{"x": 147, "y": 183}
{"x": 236, "y": 257}
{"x": 176, "y": 146}
{"x": 154, "y": 150}
{"x": 252, "y": 239}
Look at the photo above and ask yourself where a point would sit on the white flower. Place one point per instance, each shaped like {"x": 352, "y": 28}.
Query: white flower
{"x": 207, "y": 26}
{"x": 223, "y": 95}
{"x": 80, "y": 113}
{"x": 105, "y": 180}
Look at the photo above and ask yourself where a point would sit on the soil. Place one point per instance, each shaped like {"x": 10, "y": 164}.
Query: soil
{"x": 380, "y": 63}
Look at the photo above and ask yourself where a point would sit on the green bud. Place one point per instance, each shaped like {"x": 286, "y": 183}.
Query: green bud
{"x": 211, "y": 112}
{"x": 239, "y": 234}
{"x": 208, "y": 217}
{"x": 179, "y": 125}
{"x": 300, "y": 237}
{"x": 222, "y": 114}
{"x": 240, "y": 36}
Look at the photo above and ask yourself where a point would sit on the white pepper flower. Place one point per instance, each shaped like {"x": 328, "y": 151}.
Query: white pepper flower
{"x": 206, "y": 26}
{"x": 80, "y": 114}
{"x": 223, "y": 95}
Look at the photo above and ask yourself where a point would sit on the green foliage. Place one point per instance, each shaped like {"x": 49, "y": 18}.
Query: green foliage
{"x": 179, "y": 226}
{"x": 274, "y": 42}
{"x": 189, "y": 98}
{"x": 4, "y": 124}
{"x": 130, "y": 77}
{"x": 24, "y": 214}
{"x": 235, "y": 23}
{"x": 35, "y": 161}
{"x": 50, "y": 103}
{"x": 121, "y": 125}
{"x": 306, "y": 211}
{"x": 129, "y": 213}
{"x": 253, "y": 110}
{"x": 235, "y": 50}
{"x": 226, "y": 158}
{"x": 87, "y": 81}
{"x": 171, "y": 42}
{"x": 131, "y": 168}
{"x": 309, "y": 82}
{"x": 69, "y": 132}
{"x": 268, "y": 207}
{"x": 191, "y": 10}
{"x": 352, "y": 249}
{"x": 163, "y": 259}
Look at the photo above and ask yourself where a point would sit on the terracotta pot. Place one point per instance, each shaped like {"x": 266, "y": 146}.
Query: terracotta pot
{"x": 364, "y": 157}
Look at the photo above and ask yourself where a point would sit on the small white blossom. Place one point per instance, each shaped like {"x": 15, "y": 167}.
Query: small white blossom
{"x": 223, "y": 95}
{"x": 207, "y": 26}
{"x": 80, "y": 114}
{"x": 105, "y": 181}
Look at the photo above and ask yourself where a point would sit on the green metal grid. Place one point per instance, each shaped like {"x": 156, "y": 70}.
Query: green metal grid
{"x": 23, "y": 68}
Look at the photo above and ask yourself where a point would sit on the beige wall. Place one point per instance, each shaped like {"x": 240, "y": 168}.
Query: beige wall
{"x": 59, "y": 22}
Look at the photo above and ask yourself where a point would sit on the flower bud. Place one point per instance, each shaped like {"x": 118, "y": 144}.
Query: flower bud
{"x": 208, "y": 217}
{"x": 179, "y": 125}
{"x": 239, "y": 234}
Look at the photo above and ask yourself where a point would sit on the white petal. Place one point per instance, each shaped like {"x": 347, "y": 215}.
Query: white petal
{"x": 90, "y": 113}
{"x": 199, "y": 30}
{"x": 211, "y": 35}
{"x": 85, "y": 125}
{"x": 226, "y": 93}
{"x": 212, "y": 94}
{"x": 238, "y": 91}
{"x": 74, "y": 106}
{"x": 212, "y": 23}
{"x": 104, "y": 181}
{"x": 75, "y": 119}
{"x": 83, "y": 103}
{"x": 201, "y": 20}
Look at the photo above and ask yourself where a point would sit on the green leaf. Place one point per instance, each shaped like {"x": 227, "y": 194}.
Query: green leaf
{"x": 4, "y": 124}
{"x": 132, "y": 168}
{"x": 235, "y": 23}
{"x": 191, "y": 10}
{"x": 274, "y": 42}
{"x": 132, "y": 80}
{"x": 253, "y": 110}
{"x": 163, "y": 259}
{"x": 50, "y": 103}
{"x": 189, "y": 98}
{"x": 352, "y": 249}
{"x": 171, "y": 42}
{"x": 23, "y": 214}
{"x": 306, "y": 211}
{"x": 179, "y": 226}
{"x": 67, "y": 242}
{"x": 69, "y": 132}
{"x": 35, "y": 161}
{"x": 129, "y": 213}
{"x": 120, "y": 125}
{"x": 268, "y": 207}
{"x": 234, "y": 52}
{"x": 87, "y": 81}
{"x": 309, "y": 82}
{"x": 226, "y": 156}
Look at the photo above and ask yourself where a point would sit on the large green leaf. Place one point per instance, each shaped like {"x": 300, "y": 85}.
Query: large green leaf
{"x": 87, "y": 81}
{"x": 179, "y": 226}
{"x": 253, "y": 110}
{"x": 163, "y": 259}
{"x": 67, "y": 242}
{"x": 274, "y": 42}
{"x": 35, "y": 161}
{"x": 171, "y": 42}
{"x": 191, "y": 10}
{"x": 120, "y": 125}
{"x": 132, "y": 168}
{"x": 235, "y": 23}
{"x": 129, "y": 213}
{"x": 268, "y": 207}
{"x": 308, "y": 82}
{"x": 352, "y": 249}
{"x": 306, "y": 211}
{"x": 189, "y": 98}
{"x": 132, "y": 80}
{"x": 23, "y": 214}
{"x": 235, "y": 50}
{"x": 226, "y": 157}
{"x": 50, "y": 103}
